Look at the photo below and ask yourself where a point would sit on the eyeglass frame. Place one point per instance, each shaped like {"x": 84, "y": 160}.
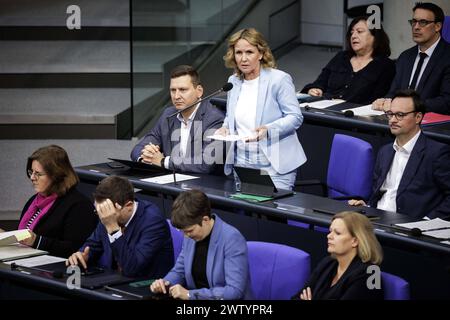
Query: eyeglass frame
{"x": 398, "y": 115}
{"x": 422, "y": 22}
{"x": 37, "y": 174}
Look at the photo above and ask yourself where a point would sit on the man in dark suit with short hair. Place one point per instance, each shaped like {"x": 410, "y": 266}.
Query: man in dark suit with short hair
{"x": 426, "y": 66}
{"x": 133, "y": 235}
{"x": 178, "y": 142}
{"x": 411, "y": 176}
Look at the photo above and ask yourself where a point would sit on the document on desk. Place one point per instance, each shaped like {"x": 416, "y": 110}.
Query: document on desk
{"x": 439, "y": 234}
{"x": 168, "y": 178}
{"x": 230, "y": 137}
{"x": 36, "y": 261}
{"x": 17, "y": 251}
{"x": 427, "y": 225}
{"x": 10, "y": 237}
{"x": 322, "y": 104}
{"x": 365, "y": 111}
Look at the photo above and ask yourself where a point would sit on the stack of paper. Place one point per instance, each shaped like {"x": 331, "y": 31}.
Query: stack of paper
{"x": 15, "y": 236}
{"x": 365, "y": 111}
{"x": 168, "y": 178}
{"x": 17, "y": 251}
{"x": 322, "y": 104}
{"x": 436, "y": 228}
{"x": 36, "y": 261}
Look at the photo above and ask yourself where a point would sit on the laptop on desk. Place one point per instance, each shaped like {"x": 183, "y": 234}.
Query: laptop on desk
{"x": 258, "y": 182}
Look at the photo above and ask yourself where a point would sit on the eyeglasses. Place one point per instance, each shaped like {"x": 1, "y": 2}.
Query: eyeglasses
{"x": 398, "y": 115}
{"x": 36, "y": 174}
{"x": 422, "y": 22}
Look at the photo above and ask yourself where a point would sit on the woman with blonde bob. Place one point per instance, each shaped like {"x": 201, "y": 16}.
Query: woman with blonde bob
{"x": 343, "y": 275}
{"x": 261, "y": 108}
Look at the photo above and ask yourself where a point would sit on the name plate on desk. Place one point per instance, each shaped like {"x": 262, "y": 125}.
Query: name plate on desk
{"x": 291, "y": 208}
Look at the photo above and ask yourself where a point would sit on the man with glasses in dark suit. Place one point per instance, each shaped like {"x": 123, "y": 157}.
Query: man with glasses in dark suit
{"x": 412, "y": 175}
{"x": 426, "y": 66}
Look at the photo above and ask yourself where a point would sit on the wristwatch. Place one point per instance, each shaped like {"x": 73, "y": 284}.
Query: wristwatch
{"x": 162, "y": 162}
{"x": 188, "y": 295}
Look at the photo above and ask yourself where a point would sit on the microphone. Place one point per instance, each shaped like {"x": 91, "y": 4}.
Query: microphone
{"x": 346, "y": 113}
{"x": 415, "y": 232}
{"x": 226, "y": 87}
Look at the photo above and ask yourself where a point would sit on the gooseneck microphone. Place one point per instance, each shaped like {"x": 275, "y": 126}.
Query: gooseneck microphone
{"x": 346, "y": 113}
{"x": 415, "y": 232}
{"x": 226, "y": 87}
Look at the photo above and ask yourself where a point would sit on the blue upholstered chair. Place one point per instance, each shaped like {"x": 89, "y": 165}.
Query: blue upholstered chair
{"x": 395, "y": 288}
{"x": 446, "y": 29}
{"x": 350, "y": 170}
{"x": 277, "y": 271}
{"x": 177, "y": 239}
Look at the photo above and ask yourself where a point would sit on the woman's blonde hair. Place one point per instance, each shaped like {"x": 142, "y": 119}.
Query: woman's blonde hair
{"x": 360, "y": 227}
{"x": 255, "y": 38}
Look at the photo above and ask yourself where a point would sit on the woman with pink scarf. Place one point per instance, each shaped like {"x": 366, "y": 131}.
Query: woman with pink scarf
{"x": 58, "y": 216}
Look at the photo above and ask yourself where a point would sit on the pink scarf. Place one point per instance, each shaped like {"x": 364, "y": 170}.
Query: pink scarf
{"x": 40, "y": 202}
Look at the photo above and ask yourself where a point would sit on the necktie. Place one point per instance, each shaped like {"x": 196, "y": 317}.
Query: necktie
{"x": 413, "y": 84}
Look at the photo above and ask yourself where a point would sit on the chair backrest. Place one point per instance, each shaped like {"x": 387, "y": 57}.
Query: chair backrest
{"x": 395, "y": 288}
{"x": 446, "y": 29}
{"x": 177, "y": 240}
{"x": 350, "y": 167}
{"x": 277, "y": 271}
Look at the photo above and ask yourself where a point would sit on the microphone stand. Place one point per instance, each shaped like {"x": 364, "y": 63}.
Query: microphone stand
{"x": 170, "y": 145}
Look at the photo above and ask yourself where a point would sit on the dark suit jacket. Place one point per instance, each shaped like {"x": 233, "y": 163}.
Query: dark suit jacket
{"x": 434, "y": 85}
{"x": 337, "y": 79}
{"x": 66, "y": 225}
{"x": 424, "y": 189}
{"x": 208, "y": 118}
{"x": 145, "y": 248}
{"x": 351, "y": 286}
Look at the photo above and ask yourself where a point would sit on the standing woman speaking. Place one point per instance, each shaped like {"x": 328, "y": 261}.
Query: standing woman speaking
{"x": 262, "y": 108}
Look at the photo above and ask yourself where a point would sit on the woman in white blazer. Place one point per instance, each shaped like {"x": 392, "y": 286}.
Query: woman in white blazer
{"x": 263, "y": 109}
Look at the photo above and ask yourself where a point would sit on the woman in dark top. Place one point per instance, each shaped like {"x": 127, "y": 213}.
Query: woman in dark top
{"x": 353, "y": 247}
{"x": 59, "y": 218}
{"x": 360, "y": 74}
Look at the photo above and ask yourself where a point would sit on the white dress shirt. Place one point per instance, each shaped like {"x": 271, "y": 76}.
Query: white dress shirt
{"x": 185, "y": 129}
{"x": 390, "y": 185}
{"x": 429, "y": 52}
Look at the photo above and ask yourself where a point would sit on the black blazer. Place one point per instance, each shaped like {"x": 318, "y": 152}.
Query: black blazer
{"x": 434, "y": 85}
{"x": 424, "y": 189}
{"x": 337, "y": 79}
{"x": 65, "y": 227}
{"x": 351, "y": 286}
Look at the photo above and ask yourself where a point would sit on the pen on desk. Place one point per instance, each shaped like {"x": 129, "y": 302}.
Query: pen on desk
{"x": 26, "y": 272}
